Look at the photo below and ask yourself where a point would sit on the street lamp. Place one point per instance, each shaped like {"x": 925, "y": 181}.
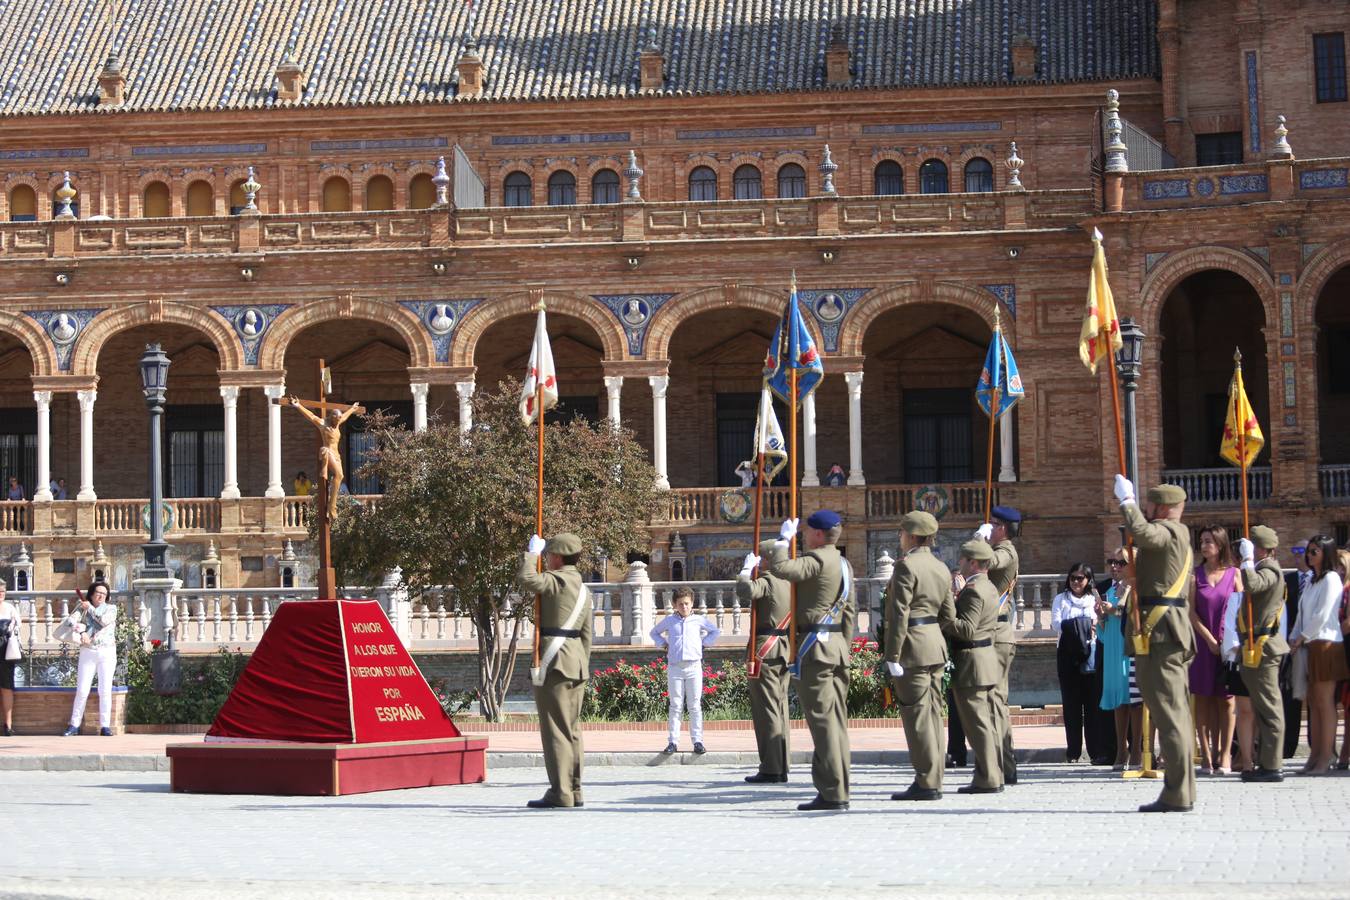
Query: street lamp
{"x": 1128, "y": 359}
{"x": 156, "y": 581}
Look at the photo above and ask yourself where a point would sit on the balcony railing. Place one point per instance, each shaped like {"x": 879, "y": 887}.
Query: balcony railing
{"x": 186, "y": 515}
{"x": 1335, "y": 483}
{"x": 1220, "y": 487}
{"x": 15, "y": 517}
{"x": 733, "y": 506}
{"x": 894, "y": 500}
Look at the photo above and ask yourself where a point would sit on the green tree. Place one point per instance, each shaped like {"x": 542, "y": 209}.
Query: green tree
{"x": 459, "y": 506}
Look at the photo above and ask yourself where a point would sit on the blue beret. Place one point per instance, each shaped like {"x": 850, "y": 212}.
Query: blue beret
{"x": 1006, "y": 513}
{"x": 824, "y": 519}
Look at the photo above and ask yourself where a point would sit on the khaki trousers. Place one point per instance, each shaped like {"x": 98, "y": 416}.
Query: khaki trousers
{"x": 558, "y": 701}
{"x": 919, "y": 695}
{"x": 824, "y": 694}
{"x": 976, "y": 707}
{"x": 1162, "y": 676}
{"x": 1006, "y": 652}
{"x": 1263, "y": 684}
{"x": 769, "y": 710}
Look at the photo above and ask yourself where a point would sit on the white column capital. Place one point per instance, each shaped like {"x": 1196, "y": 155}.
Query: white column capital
{"x": 465, "y": 389}
{"x": 419, "y": 393}
{"x": 419, "y": 390}
{"x": 854, "y": 381}
{"x": 614, "y": 394}
{"x": 613, "y": 384}
{"x": 43, "y": 399}
{"x": 659, "y": 385}
{"x": 229, "y": 398}
{"x": 87, "y": 399}
{"x": 274, "y": 391}
{"x": 229, "y": 394}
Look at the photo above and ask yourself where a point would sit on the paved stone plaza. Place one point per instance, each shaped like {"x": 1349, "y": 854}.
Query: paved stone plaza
{"x": 1065, "y": 831}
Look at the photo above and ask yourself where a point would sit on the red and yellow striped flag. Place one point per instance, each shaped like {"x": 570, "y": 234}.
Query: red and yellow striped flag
{"x": 1100, "y": 337}
{"x": 1240, "y": 428}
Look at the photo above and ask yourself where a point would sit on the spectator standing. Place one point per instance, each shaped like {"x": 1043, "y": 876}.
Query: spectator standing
{"x": 15, "y": 489}
{"x": 1295, "y": 583}
{"x": 1216, "y": 579}
{"x": 10, "y": 624}
{"x": 1343, "y": 689}
{"x": 1073, "y": 616}
{"x": 303, "y": 486}
{"x": 835, "y": 477}
{"x": 96, "y": 621}
{"x": 1318, "y": 632}
{"x": 1120, "y": 693}
{"x": 60, "y": 492}
{"x": 684, "y": 635}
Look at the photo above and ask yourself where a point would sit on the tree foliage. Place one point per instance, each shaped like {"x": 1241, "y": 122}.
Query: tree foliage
{"x": 459, "y": 506}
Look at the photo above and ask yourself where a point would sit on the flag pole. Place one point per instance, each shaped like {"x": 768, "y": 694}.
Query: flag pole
{"x": 994, "y": 378}
{"x": 1241, "y": 430}
{"x": 539, "y": 494}
{"x": 792, "y": 503}
{"x": 752, "y": 656}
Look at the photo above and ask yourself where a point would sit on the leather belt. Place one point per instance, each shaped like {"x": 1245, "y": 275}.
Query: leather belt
{"x": 766, "y": 632}
{"x": 972, "y": 645}
{"x": 561, "y": 632}
{"x": 818, "y": 627}
{"x": 1006, "y": 617}
{"x": 923, "y": 620}
{"x": 1176, "y": 602}
{"x": 1265, "y": 631}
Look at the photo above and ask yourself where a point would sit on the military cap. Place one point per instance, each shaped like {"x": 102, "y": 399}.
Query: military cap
{"x": 978, "y": 551}
{"x": 1265, "y": 537}
{"x": 1169, "y": 494}
{"x": 824, "y": 519}
{"x": 1006, "y": 514}
{"x": 919, "y": 523}
{"x": 564, "y": 544}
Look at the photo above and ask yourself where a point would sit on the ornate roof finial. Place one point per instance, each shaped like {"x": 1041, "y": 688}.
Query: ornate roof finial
{"x": 1014, "y": 165}
{"x": 827, "y": 169}
{"x": 1281, "y": 149}
{"x": 1115, "y": 148}
{"x": 633, "y": 172}
{"x": 251, "y": 189}
{"x": 64, "y": 195}
{"x": 442, "y": 182}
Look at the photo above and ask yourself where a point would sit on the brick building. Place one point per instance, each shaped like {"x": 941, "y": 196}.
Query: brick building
{"x": 654, "y": 172}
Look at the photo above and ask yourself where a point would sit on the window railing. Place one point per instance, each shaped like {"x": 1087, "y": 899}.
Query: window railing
{"x": 1221, "y": 486}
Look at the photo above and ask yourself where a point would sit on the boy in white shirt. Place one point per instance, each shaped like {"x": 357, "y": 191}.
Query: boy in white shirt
{"x": 684, "y": 636}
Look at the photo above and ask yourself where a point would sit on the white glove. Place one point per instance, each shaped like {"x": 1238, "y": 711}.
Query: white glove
{"x": 536, "y": 545}
{"x": 751, "y": 560}
{"x": 985, "y": 531}
{"x": 788, "y": 531}
{"x": 1248, "y": 551}
{"x": 895, "y": 669}
{"x": 1124, "y": 490}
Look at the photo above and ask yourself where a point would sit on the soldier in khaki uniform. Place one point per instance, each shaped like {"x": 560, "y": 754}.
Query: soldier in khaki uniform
{"x": 772, "y": 597}
{"x": 826, "y": 616}
{"x": 565, "y": 661}
{"x": 1162, "y": 575}
{"x": 972, "y": 629}
{"x": 919, "y": 596}
{"x": 1004, "y": 525}
{"x": 1264, "y": 581}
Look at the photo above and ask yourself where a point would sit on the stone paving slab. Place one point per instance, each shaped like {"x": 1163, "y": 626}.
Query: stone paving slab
{"x": 1065, "y": 831}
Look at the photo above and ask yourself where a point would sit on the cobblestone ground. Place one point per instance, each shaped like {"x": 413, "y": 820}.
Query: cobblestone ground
{"x": 1064, "y": 831}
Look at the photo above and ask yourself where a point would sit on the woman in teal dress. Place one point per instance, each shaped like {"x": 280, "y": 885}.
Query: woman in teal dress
{"x": 1120, "y": 694}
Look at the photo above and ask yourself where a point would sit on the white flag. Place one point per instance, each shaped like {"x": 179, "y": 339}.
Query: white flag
{"x": 541, "y": 372}
{"x": 768, "y": 439}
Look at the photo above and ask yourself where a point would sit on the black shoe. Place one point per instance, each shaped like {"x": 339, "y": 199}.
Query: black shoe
{"x": 699, "y": 749}
{"x": 1273, "y": 776}
{"x": 1159, "y": 806}
{"x": 954, "y": 762}
{"x": 9, "y": 731}
{"x": 1072, "y": 759}
{"x": 914, "y": 792}
{"x": 1101, "y": 760}
{"x": 670, "y": 748}
{"x": 105, "y": 732}
{"x": 818, "y": 804}
{"x": 976, "y": 789}
{"x": 546, "y": 803}
{"x": 1339, "y": 767}
{"x": 72, "y": 731}
{"x": 762, "y": 778}
{"x": 1010, "y": 779}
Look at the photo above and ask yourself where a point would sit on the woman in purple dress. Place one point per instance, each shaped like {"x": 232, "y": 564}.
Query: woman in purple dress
{"x": 1215, "y": 579}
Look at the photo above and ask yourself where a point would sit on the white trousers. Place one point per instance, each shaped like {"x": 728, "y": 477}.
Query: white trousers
{"x": 103, "y": 662}
{"x": 684, "y": 682}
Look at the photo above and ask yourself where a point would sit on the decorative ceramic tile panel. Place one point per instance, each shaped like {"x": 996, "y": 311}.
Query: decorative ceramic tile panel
{"x": 440, "y": 318}
{"x": 251, "y": 324}
{"x": 1253, "y": 102}
{"x": 830, "y": 307}
{"x": 634, "y": 312}
{"x": 63, "y": 327}
{"x": 1319, "y": 179}
{"x": 201, "y": 150}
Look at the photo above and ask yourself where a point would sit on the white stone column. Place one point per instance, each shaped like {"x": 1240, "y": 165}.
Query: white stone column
{"x": 1007, "y": 470}
{"x": 659, "y": 384}
{"x": 855, "y": 469}
{"x": 43, "y": 490}
{"x": 614, "y": 391}
{"x": 229, "y": 398}
{"x": 274, "y": 394}
{"x": 86, "y": 399}
{"x": 810, "y": 471}
{"x": 465, "y": 391}
{"x": 419, "y": 392}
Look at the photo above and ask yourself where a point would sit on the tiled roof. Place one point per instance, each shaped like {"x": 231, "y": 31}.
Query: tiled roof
{"x": 222, "y": 54}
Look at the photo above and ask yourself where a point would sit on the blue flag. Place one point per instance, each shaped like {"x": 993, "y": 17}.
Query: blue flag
{"x": 792, "y": 348}
{"x": 1000, "y": 371}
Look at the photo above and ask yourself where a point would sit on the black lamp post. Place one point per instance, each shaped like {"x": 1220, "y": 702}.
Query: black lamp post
{"x": 1128, "y": 360}
{"x": 154, "y": 381}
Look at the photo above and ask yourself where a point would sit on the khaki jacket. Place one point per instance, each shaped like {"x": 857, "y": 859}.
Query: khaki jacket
{"x": 772, "y": 597}
{"x": 921, "y": 586}
{"x": 1162, "y": 557}
{"x": 1003, "y": 572}
{"x": 1265, "y": 586}
{"x": 976, "y": 619}
{"x": 818, "y": 575}
{"x": 557, "y": 596}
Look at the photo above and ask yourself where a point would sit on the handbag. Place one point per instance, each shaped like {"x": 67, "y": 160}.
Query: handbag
{"x": 13, "y": 649}
{"x": 66, "y": 633}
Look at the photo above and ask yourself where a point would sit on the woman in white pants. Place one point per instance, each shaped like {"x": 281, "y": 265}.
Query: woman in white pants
{"x": 96, "y": 621}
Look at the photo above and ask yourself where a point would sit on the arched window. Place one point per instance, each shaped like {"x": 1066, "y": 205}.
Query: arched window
{"x": 605, "y": 186}
{"x": 380, "y": 193}
{"x": 155, "y": 202}
{"x": 933, "y": 177}
{"x": 979, "y": 176}
{"x": 791, "y": 181}
{"x": 517, "y": 190}
{"x": 703, "y": 184}
{"x": 337, "y": 195}
{"x": 562, "y": 188}
{"x": 238, "y": 198}
{"x": 421, "y": 192}
{"x": 888, "y": 179}
{"x": 745, "y": 183}
{"x": 201, "y": 199}
{"x": 23, "y": 204}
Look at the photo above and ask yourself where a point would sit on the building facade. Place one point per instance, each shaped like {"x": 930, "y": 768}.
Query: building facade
{"x": 259, "y": 187}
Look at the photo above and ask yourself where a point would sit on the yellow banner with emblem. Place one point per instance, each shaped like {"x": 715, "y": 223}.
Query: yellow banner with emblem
{"x": 1242, "y": 437}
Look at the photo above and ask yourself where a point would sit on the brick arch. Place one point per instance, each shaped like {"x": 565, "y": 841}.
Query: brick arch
{"x": 31, "y": 180}
{"x": 1177, "y": 267}
{"x": 483, "y": 316}
{"x": 671, "y": 316}
{"x": 1328, "y": 261}
{"x": 871, "y": 307}
{"x": 34, "y": 339}
{"x": 959, "y": 163}
{"x": 296, "y": 319}
{"x": 771, "y": 168}
{"x": 84, "y": 361}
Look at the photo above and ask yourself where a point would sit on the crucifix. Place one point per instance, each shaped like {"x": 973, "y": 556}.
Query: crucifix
{"x": 328, "y": 423}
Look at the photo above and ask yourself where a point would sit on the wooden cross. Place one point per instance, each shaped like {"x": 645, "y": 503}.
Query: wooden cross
{"x": 329, "y": 435}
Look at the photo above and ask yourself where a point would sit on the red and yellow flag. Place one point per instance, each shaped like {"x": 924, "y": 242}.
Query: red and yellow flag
{"x": 1100, "y": 337}
{"x": 1242, "y": 438}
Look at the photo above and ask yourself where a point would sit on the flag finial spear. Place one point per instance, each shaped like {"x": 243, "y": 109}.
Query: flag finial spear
{"x": 997, "y": 325}
{"x": 540, "y": 304}
{"x": 1096, "y": 234}
{"x": 794, "y": 280}
{"x": 1237, "y": 357}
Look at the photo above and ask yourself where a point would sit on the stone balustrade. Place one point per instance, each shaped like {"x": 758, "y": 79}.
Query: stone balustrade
{"x": 1251, "y": 182}
{"x": 1221, "y": 486}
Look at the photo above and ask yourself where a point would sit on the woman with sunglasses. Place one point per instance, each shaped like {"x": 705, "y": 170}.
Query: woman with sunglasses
{"x": 1073, "y": 614}
{"x": 1216, "y": 579}
{"x": 1317, "y": 631}
{"x": 1120, "y": 693}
